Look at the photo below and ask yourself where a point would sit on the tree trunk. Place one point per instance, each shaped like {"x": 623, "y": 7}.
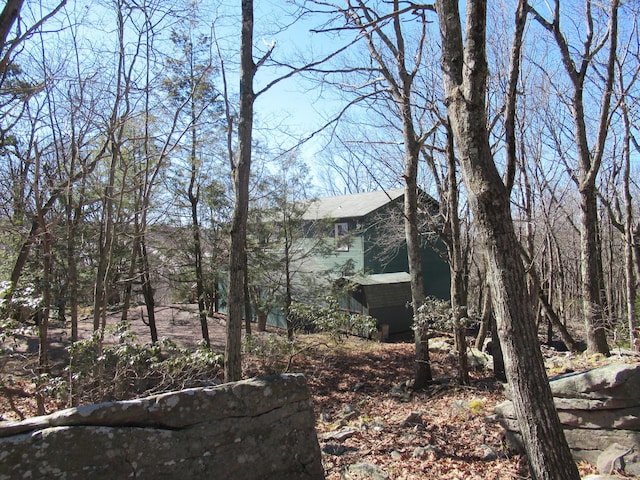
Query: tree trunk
{"x": 591, "y": 273}
{"x": 147, "y": 290}
{"x": 241, "y": 172}
{"x": 485, "y": 319}
{"x": 261, "y": 317}
{"x": 422, "y": 366}
{"x": 400, "y": 85}
{"x": 630, "y": 273}
{"x": 456, "y": 267}
{"x": 202, "y": 309}
{"x": 465, "y": 70}
{"x": 194, "y": 198}
{"x": 496, "y": 352}
{"x": 105, "y": 247}
{"x": 9, "y": 14}
{"x": 131, "y": 276}
{"x": 288, "y": 295}
{"x": 247, "y": 299}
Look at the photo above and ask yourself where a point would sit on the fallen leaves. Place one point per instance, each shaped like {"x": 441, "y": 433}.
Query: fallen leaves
{"x": 442, "y": 432}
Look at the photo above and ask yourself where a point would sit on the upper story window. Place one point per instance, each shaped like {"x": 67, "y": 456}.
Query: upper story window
{"x": 341, "y": 234}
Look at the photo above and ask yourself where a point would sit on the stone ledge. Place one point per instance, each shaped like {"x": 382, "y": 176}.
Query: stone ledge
{"x": 255, "y": 429}
{"x": 597, "y": 408}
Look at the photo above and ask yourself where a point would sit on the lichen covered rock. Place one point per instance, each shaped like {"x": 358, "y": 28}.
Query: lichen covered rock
{"x": 255, "y": 429}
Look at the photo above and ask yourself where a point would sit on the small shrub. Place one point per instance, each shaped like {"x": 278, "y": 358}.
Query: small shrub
{"x": 98, "y": 372}
{"x": 436, "y": 314}
{"x": 12, "y": 326}
{"x": 273, "y": 353}
{"x": 331, "y": 319}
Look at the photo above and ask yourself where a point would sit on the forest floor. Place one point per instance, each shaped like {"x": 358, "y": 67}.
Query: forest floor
{"x": 369, "y": 424}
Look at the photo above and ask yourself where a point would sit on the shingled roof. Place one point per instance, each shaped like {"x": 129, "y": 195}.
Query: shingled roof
{"x": 351, "y": 206}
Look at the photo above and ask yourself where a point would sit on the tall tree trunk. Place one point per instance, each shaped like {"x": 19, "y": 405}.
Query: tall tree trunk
{"x": 42, "y": 315}
{"x": 630, "y": 273}
{"x": 399, "y": 80}
{"x": 105, "y": 247}
{"x": 465, "y": 70}
{"x": 456, "y": 267}
{"x": 107, "y": 230}
{"x": 73, "y": 219}
{"x": 422, "y": 366}
{"x": 194, "y": 198}
{"x": 288, "y": 295}
{"x": 197, "y": 250}
{"x": 241, "y": 173}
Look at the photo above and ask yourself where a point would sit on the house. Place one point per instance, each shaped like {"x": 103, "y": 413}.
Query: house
{"x": 364, "y": 235}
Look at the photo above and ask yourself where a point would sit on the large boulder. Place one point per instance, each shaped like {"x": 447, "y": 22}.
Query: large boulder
{"x": 255, "y": 429}
{"x": 598, "y": 408}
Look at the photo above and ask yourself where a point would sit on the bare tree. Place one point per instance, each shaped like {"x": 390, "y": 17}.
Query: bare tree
{"x": 241, "y": 172}
{"x": 464, "y": 68}
{"x": 621, "y": 211}
{"x": 589, "y": 156}
{"x": 8, "y": 17}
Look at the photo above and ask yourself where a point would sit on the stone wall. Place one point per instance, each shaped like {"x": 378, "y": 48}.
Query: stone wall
{"x": 255, "y": 429}
{"x": 600, "y": 412}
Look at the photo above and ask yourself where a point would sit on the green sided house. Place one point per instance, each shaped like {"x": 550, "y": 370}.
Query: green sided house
{"x": 365, "y": 246}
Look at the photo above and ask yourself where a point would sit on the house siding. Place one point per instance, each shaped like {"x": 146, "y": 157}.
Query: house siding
{"x": 336, "y": 258}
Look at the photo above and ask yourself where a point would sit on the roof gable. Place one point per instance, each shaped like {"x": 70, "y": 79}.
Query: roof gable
{"x": 351, "y": 206}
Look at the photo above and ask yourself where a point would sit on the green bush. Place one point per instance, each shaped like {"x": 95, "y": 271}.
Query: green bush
{"x": 331, "y": 319}
{"x": 437, "y": 314}
{"x": 273, "y": 353}
{"x": 12, "y": 328}
{"x": 98, "y": 372}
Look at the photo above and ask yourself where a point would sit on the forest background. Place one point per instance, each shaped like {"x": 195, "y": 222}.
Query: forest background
{"x": 120, "y": 151}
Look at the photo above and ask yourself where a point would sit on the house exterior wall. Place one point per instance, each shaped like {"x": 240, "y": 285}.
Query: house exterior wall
{"x": 435, "y": 270}
{"x": 335, "y": 257}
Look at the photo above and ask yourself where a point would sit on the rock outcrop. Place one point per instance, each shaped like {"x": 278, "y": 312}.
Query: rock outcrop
{"x": 600, "y": 412}
{"x": 255, "y": 429}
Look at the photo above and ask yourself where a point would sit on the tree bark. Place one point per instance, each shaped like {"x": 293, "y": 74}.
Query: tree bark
{"x": 147, "y": 289}
{"x": 591, "y": 272}
{"x": 486, "y": 313}
{"x": 8, "y": 17}
{"x": 456, "y": 267}
{"x": 630, "y": 273}
{"x": 194, "y": 198}
{"x": 422, "y": 366}
{"x": 465, "y": 70}
{"x": 241, "y": 172}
